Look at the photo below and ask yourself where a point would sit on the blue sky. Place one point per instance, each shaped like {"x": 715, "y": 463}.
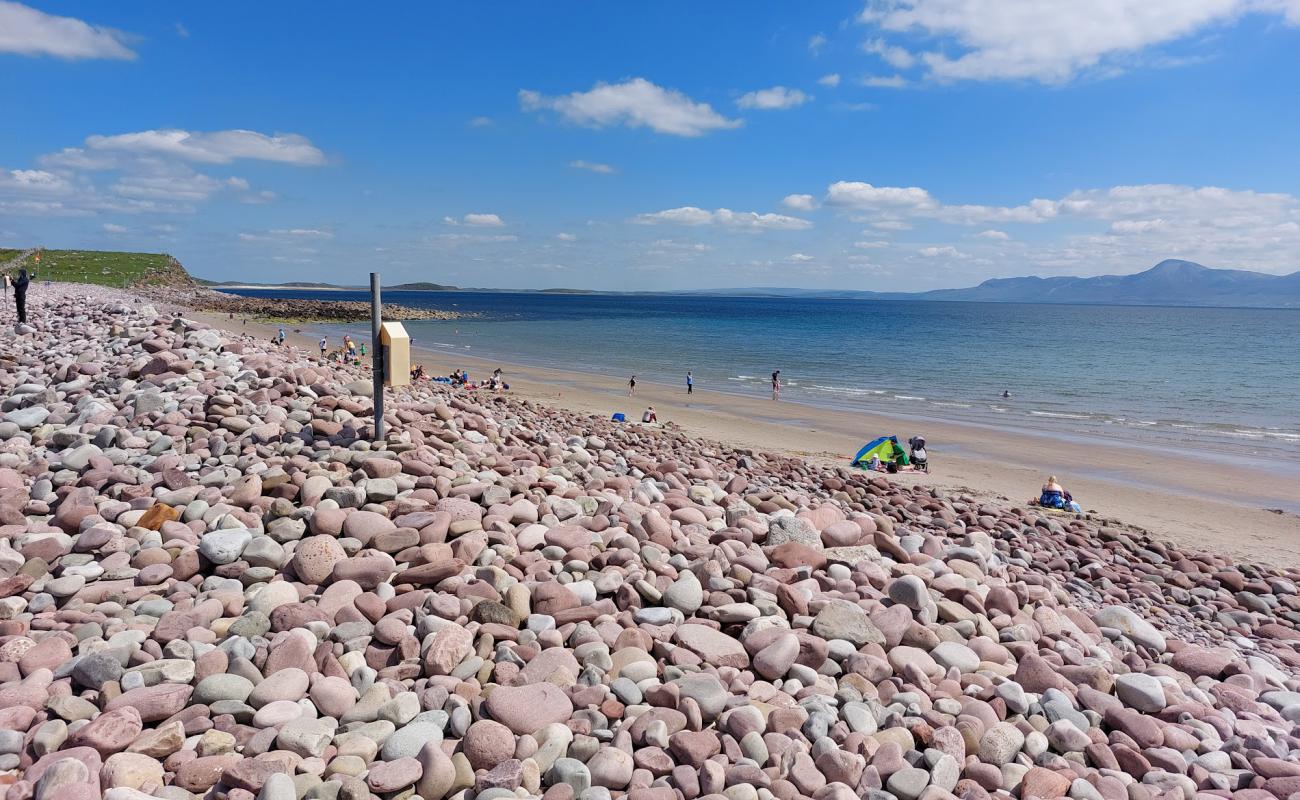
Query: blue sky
{"x": 904, "y": 144}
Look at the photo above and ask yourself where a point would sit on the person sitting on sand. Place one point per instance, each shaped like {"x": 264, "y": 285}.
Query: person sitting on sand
{"x": 1054, "y": 495}
{"x": 649, "y": 415}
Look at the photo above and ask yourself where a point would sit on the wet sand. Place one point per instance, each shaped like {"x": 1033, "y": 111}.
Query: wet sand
{"x": 1204, "y": 504}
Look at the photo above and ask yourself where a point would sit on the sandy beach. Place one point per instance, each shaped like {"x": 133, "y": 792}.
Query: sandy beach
{"x": 1224, "y": 508}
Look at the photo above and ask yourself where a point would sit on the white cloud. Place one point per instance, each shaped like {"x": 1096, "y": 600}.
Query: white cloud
{"x": 287, "y": 235}
{"x": 800, "y": 202}
{"x": 1052, "y": 41}
{"x": 884, "y": 81}
{"x": 1090, "y": 231}
{"x": 182, "y": 31}
{"x": 34, "y": 181}
{"x": 566, "y": 237}
{"x": 773, "y": 99}
{"x": 724, "y": 218}
{"x": 894, "y": 56}
{"x": 110, "y": 227}
{"x": 815, "y": 43}
{"x": 875, "y": 244}
{"x": 259, "y": 197}
{"x": 191, "y": 186}
{"x": 915, "y": 201}
{"x": 635, "y": 103}
{"x": 831, "y": 80}
{"x": 592, "y": 166}
{"x": 674, "y": 244}
{"x": 481, "y": 122}
{"x": 29, "y": 32}
{"x": 799, "y": 258}
{"x": 304, "y": 233}
{"x": 483, "y": 220}
{"x": 1138, "y": 225}
{"x": 476, "y": 237}
{"x": 863, "y": 195}
{"x": 215, "y": 147}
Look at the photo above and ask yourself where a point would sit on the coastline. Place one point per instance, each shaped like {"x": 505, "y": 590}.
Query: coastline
{"x": 1189, "y": 501}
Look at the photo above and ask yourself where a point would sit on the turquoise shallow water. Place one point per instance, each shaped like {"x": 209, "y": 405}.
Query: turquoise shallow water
{"x": 1224, "y": 382}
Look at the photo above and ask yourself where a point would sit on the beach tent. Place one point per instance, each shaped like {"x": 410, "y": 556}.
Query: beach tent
{"x": 886, "y": 447}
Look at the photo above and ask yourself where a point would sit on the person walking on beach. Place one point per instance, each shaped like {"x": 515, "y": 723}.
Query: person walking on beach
{"x": 631, "y": 386}
{"x": 690, "y": 383}
{"x": 20, "y": 295}
{"x": 776, "y": 385}
{"x": 280, "y": 336}
{"x": 323, "y": 345}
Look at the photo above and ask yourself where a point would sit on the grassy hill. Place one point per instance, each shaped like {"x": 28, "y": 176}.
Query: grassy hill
{"x": 104, "y": 267}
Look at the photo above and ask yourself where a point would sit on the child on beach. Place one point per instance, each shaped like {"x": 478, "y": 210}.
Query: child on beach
{"x": 323, "y": 346}
{"x": 631, "y": 386}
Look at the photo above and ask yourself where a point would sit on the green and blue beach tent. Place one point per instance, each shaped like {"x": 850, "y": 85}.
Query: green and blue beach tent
{"x": 886, "y": 447}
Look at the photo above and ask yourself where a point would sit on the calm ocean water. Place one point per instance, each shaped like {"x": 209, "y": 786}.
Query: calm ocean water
{"x": 1225, "y": 382}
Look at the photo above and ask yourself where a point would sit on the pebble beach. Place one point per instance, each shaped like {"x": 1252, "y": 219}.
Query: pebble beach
{"x": 214, "y": 585}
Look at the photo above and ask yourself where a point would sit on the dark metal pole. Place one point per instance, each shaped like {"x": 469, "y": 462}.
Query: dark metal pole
{"x": 377, "y": 358}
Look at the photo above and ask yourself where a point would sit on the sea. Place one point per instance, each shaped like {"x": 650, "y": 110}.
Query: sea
{"x": 1221, "y": 383}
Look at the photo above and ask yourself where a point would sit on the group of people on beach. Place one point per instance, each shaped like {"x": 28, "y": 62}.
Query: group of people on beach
{"x": 690, "y": 384}
{"x": 351, "y": 351}
{"x": 496, "y": 382}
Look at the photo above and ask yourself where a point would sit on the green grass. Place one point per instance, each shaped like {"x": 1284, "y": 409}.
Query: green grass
{"x": 6, "y": 254}
{"x": 104, "y": 267}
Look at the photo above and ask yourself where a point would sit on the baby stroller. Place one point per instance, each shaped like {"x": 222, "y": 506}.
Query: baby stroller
{"x": 918, "y": 457}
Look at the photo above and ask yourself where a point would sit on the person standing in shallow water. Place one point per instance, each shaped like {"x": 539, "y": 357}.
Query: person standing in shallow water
{"x": 776, "y": 385}
{"x": 20, "y": 295}
{"x": 690, "y": 383}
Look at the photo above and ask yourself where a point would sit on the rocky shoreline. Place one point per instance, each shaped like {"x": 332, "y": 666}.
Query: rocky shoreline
{"x": 212, "y": 585}
{"x": 281, "y": 309}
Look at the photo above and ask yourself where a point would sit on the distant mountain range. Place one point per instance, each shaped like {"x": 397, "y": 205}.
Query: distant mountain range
{"x": 1170, "y": 283}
